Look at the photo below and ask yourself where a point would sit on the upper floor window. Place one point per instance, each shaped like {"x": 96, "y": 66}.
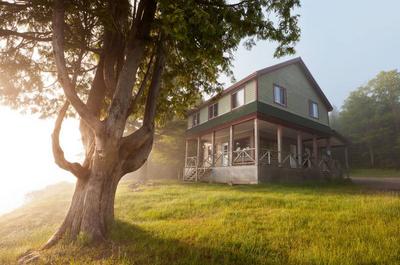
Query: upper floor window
{"x": 213, "y": 111}
{"x": 280, "y": 95}
{"x": 313, "y": 109}
{"x": 238, "y": 98}
{"x": 196, "y": 119}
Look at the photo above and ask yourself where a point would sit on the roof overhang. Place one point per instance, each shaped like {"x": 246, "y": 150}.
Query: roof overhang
{"x": 265, "y": 112}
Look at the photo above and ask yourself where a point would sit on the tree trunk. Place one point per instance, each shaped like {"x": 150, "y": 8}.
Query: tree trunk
{"x": 91, "y": 212}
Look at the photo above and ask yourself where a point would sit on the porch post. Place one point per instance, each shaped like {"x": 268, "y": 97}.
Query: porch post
{"x": 198, "y": 157}
{"x": 279, "y": 140}
{"x": 346, "y": 157}
{"x": 315, "y": 150}
{"x": 256, "y": 142}
{"x": 299, "y": 149}
{"x": 213, "y": 148}
{"x": 231, "y": 145}
{"x": 186, "y": 151}
{"x": 328, "y": 146}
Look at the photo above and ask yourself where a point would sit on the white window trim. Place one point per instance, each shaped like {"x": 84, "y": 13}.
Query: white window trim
{"x": 284, "y": 104}
{"x": 212, "y": 106}
{"x": 311, "y": 109}
{"x": 194, "y": 117}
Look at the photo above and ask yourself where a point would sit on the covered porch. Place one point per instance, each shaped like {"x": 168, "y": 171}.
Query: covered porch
{"x": 251, "y": 149}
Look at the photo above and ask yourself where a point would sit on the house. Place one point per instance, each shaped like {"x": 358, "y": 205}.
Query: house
{"x": 271, "y": 125}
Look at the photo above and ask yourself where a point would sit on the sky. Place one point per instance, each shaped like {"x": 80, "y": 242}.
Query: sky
{"x": 344, "y": 43}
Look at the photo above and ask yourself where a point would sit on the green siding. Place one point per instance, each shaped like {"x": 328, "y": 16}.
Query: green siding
{"x": 203, "y": 115}
{"x": 299, "y": 91}
{"x": 291, "y": 118}
{"x": 250, "y": 92}
{"x": 224, "y": 104}
{"x": 225, "y": 118}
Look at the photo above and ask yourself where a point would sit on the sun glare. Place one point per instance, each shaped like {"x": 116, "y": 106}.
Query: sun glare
{"x": 26, "y": 160}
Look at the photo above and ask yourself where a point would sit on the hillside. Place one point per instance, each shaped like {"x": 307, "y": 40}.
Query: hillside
{"x": 172, "y": 223}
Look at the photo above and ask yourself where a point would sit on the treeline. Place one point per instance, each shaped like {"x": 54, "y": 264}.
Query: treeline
{"x": 370, "y": 119}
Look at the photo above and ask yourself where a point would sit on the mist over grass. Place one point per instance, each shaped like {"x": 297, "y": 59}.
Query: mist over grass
{"x": 174, "y": 223}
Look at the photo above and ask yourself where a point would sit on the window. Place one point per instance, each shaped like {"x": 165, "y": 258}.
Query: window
{"x": 238, "y": 98}
{"x": 196, "y": 119}
{"x": 280, "y": 95}
{"x": 313, "y": 109}
{"x": 212, "y": 111}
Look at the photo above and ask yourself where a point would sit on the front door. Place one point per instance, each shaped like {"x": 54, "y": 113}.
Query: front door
{"x": 225, "y": 154}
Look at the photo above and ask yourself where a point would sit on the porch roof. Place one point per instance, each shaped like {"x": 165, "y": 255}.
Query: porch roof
{"x": 265, "y": 112}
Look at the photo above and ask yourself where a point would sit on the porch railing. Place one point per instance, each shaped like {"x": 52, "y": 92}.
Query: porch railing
{"x": 290, "y": 161}
{"x": 191, "y": 161}
{"x": 244, "y": 156}
{"x": 266, "y": 157}
{"x": 218, "y": 158}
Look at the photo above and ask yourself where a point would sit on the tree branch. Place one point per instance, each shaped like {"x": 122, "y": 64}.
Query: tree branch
{"x": 139, "y": 137}
{"x": 138, "y": 158}
{"x": 141, "y": 88}
{"x": 154, "y": 89}
{"x": 75, "y": 168}
{"x": 135, "y": 51}
{"x": 94, "y": 103}
{"x": 68, "y": 87}
{"x": 26, "y": 35}
{"x": 226, "y": 5}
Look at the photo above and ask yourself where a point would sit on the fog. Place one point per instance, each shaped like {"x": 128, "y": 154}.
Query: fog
{"x": 26, "y": 161}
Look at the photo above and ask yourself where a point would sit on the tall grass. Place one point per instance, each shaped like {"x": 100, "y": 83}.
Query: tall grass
{"x": 172, "y": 223}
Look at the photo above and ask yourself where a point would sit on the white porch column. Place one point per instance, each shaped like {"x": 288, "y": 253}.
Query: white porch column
{"x": 231, "y": 145}
{"x": 315, "y": 150}
{"x": 279, "y": 142}
{"x": 213, "y": 148}
{"x": 328, "y": 146}
{"x": 186, "y": 151}
{"x": 256, "y": 142}
{"x": 299, "y": 149}
{"x": 198, "y": 157}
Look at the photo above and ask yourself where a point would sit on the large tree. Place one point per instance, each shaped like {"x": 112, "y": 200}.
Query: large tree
{"x": 117, "y": 60}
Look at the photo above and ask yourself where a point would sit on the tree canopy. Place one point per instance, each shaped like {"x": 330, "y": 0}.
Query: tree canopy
{"x": 199, "y": 36}
{"x": 371, "y": 118}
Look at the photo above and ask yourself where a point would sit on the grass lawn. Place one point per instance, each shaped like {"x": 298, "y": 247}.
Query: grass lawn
{"x": 172, "y": 223}
{"x": 375, "y": 172}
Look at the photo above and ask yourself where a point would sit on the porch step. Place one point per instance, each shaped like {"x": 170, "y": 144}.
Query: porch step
{"x": 200, "y": 172}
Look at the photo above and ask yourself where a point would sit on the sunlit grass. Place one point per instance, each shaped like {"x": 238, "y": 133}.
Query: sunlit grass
{"x": 171, "y": 223}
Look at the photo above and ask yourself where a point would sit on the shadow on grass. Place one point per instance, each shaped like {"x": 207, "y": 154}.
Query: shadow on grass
{"x": 142, "y": 247}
